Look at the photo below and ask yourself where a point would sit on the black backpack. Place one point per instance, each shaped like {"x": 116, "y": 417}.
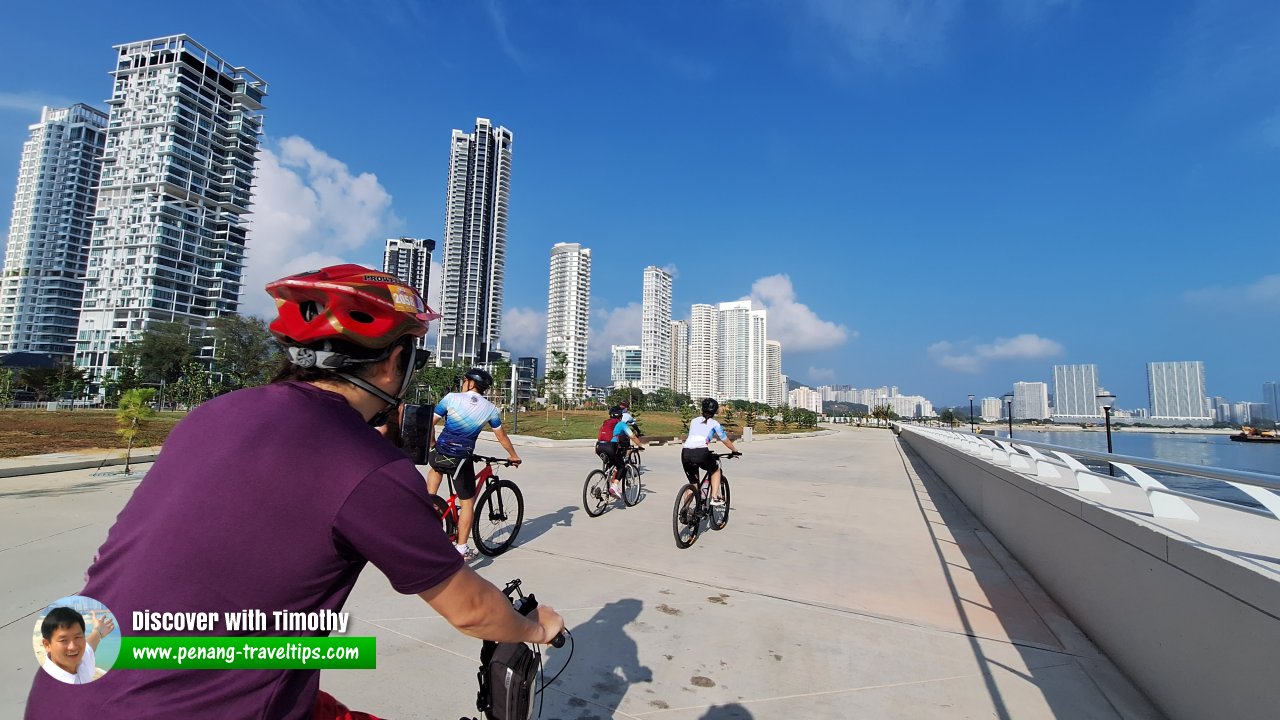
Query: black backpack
{"x": 507, "y": 672}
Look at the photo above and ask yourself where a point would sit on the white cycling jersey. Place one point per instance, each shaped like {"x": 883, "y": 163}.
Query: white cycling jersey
{"x": 702, "y": 431}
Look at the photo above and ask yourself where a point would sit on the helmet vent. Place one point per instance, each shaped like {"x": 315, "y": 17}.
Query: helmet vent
{"x": 309, "y": 310}
{"x": 361, "y": 316}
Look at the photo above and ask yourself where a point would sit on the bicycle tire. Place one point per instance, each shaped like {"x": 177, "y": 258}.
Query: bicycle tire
{"x": 498, "y": 517}
{"x": 448, "y": 523}
{"x": 686, "y": 516}
{"x": 720, "y": 517}
{"x": 595, "y": 493}
{"x": 631, "y": 487}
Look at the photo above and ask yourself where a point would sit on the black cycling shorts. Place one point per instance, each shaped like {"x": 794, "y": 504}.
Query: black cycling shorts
{"x": 612, "y": 453}
{"x": 464, "y": 479}
{"x": 694, "y": 459}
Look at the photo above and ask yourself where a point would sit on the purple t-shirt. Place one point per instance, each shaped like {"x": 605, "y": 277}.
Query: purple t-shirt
{"x": 269, "y": 498}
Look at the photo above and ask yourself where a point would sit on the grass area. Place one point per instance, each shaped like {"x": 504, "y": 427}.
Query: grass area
{"x": 36, "y": 432}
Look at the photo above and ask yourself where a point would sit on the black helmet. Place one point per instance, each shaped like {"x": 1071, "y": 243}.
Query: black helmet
{"x": 615, "y": 411}
{"x": 481, "y": 378}
{"x": 710, "y": 407}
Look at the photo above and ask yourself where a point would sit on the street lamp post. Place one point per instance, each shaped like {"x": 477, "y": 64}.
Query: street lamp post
{"x": 1107, "y": 400}
{"x": 971, "y": 412}
{"x": 1008, "y": 401}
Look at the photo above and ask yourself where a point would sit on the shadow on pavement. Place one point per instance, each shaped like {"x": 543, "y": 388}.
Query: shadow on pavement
{"x": 604, "y": 666}
{"x": 732, "y": 711}
{"x": 535, "y": 527}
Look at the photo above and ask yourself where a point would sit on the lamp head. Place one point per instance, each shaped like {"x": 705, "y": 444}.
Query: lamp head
{"x": 1106, "y": 400}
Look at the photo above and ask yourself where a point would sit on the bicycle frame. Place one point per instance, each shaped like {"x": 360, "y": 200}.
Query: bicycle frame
{"x": 484, "y": 478}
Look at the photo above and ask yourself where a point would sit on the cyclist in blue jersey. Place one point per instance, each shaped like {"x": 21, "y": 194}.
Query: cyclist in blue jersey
{"x": 465, "y": 413}
{"x": 696, "y": 455}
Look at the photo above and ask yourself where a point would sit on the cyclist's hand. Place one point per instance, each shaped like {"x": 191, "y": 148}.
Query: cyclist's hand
{"x": 549, "y": 622}
{"x": 514, "y": 461}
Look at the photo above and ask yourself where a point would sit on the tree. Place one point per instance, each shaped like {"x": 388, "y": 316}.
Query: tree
{"x": 633, "y": 396}
{"x": 162, "y": 351}
{"x": 246, "y": 353}
{"x": 771, "y": 423}
{"x": 135, "y": 410}
{"x": 556, "y": 376}
{"x": 883, "y": 413}
{"x": 749, "y": 416}
{"x": 193, "y": 386}
{"x": 439, "y": 381}
{"x": 686, "y": 415}
{"x": 729, "y": 415}
{"x": 6, "y": 387}
{"x": 502, "y": 382}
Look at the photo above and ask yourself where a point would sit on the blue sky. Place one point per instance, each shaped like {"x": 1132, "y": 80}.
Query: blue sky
{"x": 940, "y": 195}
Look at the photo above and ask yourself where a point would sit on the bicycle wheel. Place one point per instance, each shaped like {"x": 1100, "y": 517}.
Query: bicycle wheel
{"x": 686, "y": 515}
{"x": 498, "y": 517}
{"x": 631, "y": 487}
{"x": 595, "y": 493}
{"x": 633, "y": 459}
{"x": 448, "y": 522}
{"x": 720, "y": 515}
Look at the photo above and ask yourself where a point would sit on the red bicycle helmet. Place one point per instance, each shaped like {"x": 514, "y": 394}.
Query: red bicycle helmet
{"x": 347, "y": 302}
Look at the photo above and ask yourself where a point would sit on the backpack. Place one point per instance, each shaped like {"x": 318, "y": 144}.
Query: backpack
{"x": 606, "y": 430}
{"x": 507, "y": 681}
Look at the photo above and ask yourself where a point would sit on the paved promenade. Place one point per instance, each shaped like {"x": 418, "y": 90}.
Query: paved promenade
{"x": 849, "y": 583}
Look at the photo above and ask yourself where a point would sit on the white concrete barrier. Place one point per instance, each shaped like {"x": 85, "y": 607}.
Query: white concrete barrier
{"x": 1189, "y": 609}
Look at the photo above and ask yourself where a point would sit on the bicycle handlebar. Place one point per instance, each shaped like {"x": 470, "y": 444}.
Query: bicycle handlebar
{"x": 490, "y": 460}
{"x": 733, "y": 454}
{"x": 526, "y": 604}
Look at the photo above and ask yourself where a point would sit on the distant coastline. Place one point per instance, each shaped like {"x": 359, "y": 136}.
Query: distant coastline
{"x": 1114, "y": 429}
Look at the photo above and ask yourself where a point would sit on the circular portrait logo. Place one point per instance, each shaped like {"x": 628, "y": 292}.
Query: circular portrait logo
{"x": 76, "y": 639}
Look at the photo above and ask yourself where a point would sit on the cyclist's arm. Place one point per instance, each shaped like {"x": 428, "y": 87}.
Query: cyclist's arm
{"x": 500, "y": 434}
{"x": 635, "y": 439}
{"x": 475, "y": 607}
{"x": 724, "y": 438}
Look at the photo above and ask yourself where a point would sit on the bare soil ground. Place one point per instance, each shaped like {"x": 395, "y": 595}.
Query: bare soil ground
{"x": 36, "y": 432}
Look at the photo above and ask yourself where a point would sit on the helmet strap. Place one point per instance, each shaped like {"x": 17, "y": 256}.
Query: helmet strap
{"x": 392, "y": 402}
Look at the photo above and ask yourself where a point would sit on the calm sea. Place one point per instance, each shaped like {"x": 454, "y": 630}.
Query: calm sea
{"x": 1209, "y": 450}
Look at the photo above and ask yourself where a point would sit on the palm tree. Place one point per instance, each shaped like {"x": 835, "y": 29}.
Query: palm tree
{"x": 135, "y": 410}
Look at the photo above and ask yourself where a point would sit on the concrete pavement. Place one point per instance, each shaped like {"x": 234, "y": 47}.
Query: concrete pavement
{"x": 849, "y": 583}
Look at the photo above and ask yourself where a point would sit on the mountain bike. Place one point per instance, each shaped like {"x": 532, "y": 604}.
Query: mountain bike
{"x": 693, "y": 504}
{"x": 499, "y": 509}
{"x": 595, "y": 491}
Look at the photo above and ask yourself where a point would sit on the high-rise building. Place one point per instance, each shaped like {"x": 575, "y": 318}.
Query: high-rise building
{"x": 568, "y": 315}
{"x": 655, "y": 330}
{"x": 704, "y": 349}
{"x": 742, "y": 359}
{"x": 1030, "y": 401}
{"x": 1177, "y": 391}
{"x": 410, "y": 260}
{"x": 680, "y": 356}
{"x": 625, "y": 367}
{"x": 168, "y": 239}
{"x": 806, "y": 399}
{"x": 1271, "y": 398}
{"x": 1075, "y": 392}
{"x": 44, "y": 263}
{"x": 992, "y": 409}
{"x": 473, "y": 266}
{"x": 526, "y": 369}
{"x": 773, "y": 372}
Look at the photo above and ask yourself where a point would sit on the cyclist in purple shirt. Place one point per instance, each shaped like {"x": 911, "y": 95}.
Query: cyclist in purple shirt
{"x": 275, "y": 498}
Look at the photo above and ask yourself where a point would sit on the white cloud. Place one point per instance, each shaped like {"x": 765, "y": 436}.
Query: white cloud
{"x": 1263, "y": 291}
{"x": 616, "y": 326}
{"x": 883, "y": 33}
{"x": 524, "y": 331}
{"x": 821, "y": 375}
{"x": 792, "y": 323}
{"x": 970, "y": 358}
{"x": 31, "y": 102}
{"x": 672, "y": 270}
{"x": 309, "y": 211}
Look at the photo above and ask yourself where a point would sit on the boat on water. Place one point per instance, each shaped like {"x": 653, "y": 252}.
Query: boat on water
{"x": 1252, "y": 434}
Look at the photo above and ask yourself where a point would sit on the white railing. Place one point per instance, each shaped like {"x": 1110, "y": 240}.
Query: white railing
{"x": 1063, "y": 464}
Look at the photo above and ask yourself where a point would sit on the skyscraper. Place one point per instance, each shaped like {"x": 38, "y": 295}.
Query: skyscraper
{"x": 624, "y": 369}
{"x": 680, "y": 356}
{"x": 410, "y": 260}
{"x": 44, "y": 264}
{"x": 704, "y": 349}
{"x": 568, "y": 315}
{"x": 742, "y": 355}
{"x": 655, "y": 330}
{"x": 177, "y": 175}
{"x": 1030, "y": 401}
{"x": 1271, "y": 398}
{"x": 773, "y": 373}
{"x": 1075, "y": 391}
{"x": 1177, "y": 391}
{"x": 475, "y": 244}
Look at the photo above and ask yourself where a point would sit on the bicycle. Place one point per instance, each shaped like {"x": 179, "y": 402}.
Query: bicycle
{"x": 595, "y": 491}
{"x": 693, "y": 503}
{"x": 508, "y": 671}
{"x": 499, "y": 509}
